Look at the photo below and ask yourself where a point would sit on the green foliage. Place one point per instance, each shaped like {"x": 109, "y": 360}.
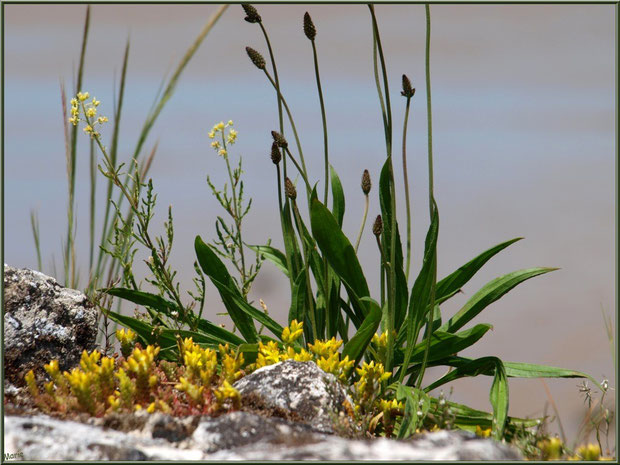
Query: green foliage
{"x": 389, "y": 386}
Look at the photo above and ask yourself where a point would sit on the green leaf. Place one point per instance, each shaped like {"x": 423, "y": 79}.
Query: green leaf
{"x": 273, "y": 255}
{"x": 385, "y": 200}
{"x": 421, "y": 293}
{"x": 298, "y": 298}
{"x": 218, "y": 333}
{"x": 293, "y": 255}
{"x": 416, "y": 401}
{"x": 145, "y": 299}
{"x": 142, "y": 329}
{"x": 480, "y": 366}
{"x": 443, "y": 345}
{"x": 453, "y": 282}
{"x": 337, "y": 196}
{"x": 499, "y": 400}
{"x": 519, "y": 369}
{"x": 213, "y": 267}
{"x": 339, "y": 252}
{"x": 489, "y": 293}
{"x": 356, "y": 346}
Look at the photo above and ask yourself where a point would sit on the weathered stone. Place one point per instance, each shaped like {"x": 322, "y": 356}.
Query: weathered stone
{"x": 298, "y": 391}
{"x": 240, "y": 429}
{"x": 237, "y": 436}
{"x": 43, "y": 321}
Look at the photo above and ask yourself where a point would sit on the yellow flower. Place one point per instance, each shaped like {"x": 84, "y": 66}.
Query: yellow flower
{"x": 483, "y": 433}
{"x": 325, "y": 348}
{"x": 232, "y": 136}
{"x": 215, "y": 144}
{"x": 90, "y": 112}
{"x": 222, "y": 152}
{"x": 227, "y": 392}
{"x": 220, "y": 126}
{"x": 590, "y": 452}
{"x": 83, "y": 96}
{"x": 74, "y": 102}
{"x": 95, "y": 102}
{"x": 74, "y": 121}
{"x": 230, "y": 122}
{"x": 212, "y": 134}
{"x": 102, "y": 119}
{"x": 32, "y": 384}
{"x": 88, "y": 129}
{"x": 291, "y": 333}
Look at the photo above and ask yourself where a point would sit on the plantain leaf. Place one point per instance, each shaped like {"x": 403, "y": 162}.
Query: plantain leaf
{"x": 339, "y": 253}
{"x": 356, "y": 346}
{"x": 273, "y": 255}
{"x": 518, "y": 369}
{"x": 145, "y": 299}
{"x": 499, "y": 400}
{"x": 291, "y": 248}
{"x": 489, "y": 293}
{"x": 385, "y": 200}
{"x": 213, "y": 267}
{"x": 453, "y": 282}
{"x": 298, "y": 298}
{"x": 422, "y": 289}
{"x": 338, "y": 203}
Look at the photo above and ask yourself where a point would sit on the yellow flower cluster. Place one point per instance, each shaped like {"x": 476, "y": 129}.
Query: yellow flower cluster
{"x": 324, "y": 353}
{"x": 227, "y": 137}
{"x": 368, "y": 387}
{"x": 201, "y": 369}
{"x": 127, "y": 338}
{"x": 483, "y": 432}
{"x": 81, "y": 105}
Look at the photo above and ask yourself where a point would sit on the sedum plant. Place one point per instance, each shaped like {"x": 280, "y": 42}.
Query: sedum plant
{"x": 387, "y": 342}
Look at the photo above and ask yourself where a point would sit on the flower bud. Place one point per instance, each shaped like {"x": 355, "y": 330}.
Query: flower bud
{"x": 289, "y": 189}
{"x": 279, "y": 139}
{"x": 256, "y": 58}
{"x": 309, "y": 28}
{"x": 366, "y": 184}
{"x": 377, "y": 228}
{"x": 276, "y": 156}
{"x": 252, "y": 14}
{"x": 407, "y": 91}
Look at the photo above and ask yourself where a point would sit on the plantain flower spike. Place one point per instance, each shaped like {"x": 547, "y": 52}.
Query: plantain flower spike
{"x": 309, "y": 28}
{"x": 377, "y": 228}
{"x": 289, "y": 189}
{"x": 276, "y": 156}
{"x": 256, "y": 58}
{"x": 252, "y": 14}
{"x": 407, "y": 91}
{"x": 279, "y": 139}
{"x": 366, "y": 184}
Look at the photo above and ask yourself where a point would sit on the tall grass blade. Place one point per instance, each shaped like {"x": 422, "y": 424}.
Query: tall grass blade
{"x": 499, "y": 400}
{"x": 34, "y": 225}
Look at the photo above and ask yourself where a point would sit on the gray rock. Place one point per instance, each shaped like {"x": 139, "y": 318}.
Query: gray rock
{"x": 239, "y": 429}
{"x": 237, "y": 436}
{"x": 298, "y": 391}
{"x": 43, "y": 321}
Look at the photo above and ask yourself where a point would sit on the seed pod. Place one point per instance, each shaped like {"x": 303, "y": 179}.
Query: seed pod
{"x": 377, "y": 228}
{"x": 289, "y": 189}
{"x": 252, "y": 14}
{"x": 407, "y": 91}
{"x": 366, "y": 184}
{"x": 279, "y": 139}
{"x": 276, "y": 156}
{"x": 309, "y": 28}
{"x": 256, "y": 58}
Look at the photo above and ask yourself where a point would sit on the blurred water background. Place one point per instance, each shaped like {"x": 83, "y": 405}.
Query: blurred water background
{"x": 523, "y": 106}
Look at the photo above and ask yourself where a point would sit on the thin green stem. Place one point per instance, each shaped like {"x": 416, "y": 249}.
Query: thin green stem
{"x": 406, "y": 180}
{"x": 71, "y": 168}
{"x": 428, "y": 109}
{"x": 277, "y": 86}
{"x": 93, "y": 189}
{"x": 318, "y": 84}
{"x": 299, "y": 168}
{"x": 307, "y": 252}
{"x": 391, "y": 281}
{"x": 34, "y": 223}
{"x": 290, "y": 118}
{"x": 363, "y": 225}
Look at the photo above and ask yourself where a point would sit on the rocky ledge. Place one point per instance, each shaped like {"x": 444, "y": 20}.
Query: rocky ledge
{"x": 288, "y": 409}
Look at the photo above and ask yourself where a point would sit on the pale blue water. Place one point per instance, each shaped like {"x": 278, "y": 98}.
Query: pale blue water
{"x": 523, "y": 107}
